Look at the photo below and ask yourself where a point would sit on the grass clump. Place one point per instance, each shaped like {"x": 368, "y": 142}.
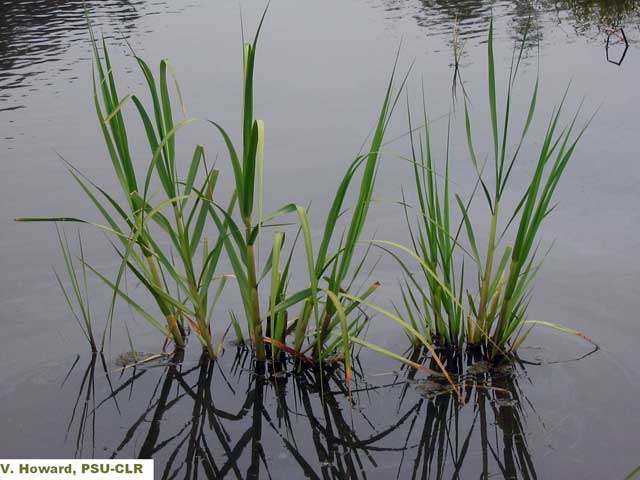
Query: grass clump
{"x": 494, "y": 316}
{"x": 329, "y": 306}
{"x": 161, "y": 243}
{"x": 157, "y": 227}
{"x": 159, "y": 224}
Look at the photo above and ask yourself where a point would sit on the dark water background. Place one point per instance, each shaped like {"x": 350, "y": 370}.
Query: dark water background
{"x": 321, "y": 73}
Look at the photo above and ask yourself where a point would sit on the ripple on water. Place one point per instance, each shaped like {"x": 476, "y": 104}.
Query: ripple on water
{"x": 36, "y": 34}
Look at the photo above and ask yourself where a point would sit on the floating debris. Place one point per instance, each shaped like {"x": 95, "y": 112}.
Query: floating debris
{"x": 616, "y": 37}
{"x": 133, "y": 359}
{"x": 479, "y": 368}
{"x": 431, "y": 388}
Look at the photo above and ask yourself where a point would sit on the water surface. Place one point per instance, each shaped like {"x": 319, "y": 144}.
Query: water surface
{"x": 322, "y": 70}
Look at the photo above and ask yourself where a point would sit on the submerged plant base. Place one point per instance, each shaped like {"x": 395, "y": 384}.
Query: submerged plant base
{"x": 473, "y": 367}
{"x": 283, "y": 365}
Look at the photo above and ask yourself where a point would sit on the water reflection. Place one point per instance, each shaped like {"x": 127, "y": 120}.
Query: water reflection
{"x": 34, "y": 33}
{"x": 82, "y": 421}
{"x": 221, "y": 422}
{"x": 585, "y": 17}
{"x": 238, "y": 440}
{"x": 488, "y": 442}
{"x": 602, "y": 13}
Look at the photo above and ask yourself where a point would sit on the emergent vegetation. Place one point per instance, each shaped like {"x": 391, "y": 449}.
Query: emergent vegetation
{"x": 162, "y": 237}
{"x": 495, "y": 316}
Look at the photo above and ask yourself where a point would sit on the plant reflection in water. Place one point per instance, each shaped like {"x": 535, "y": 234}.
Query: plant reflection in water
{"x": 197, "y": 423}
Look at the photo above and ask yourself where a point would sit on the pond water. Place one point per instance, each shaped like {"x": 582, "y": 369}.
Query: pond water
{"x": 322, "y": 70}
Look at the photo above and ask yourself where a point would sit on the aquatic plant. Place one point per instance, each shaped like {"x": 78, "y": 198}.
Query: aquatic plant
{"x": 495, "y": 316}
{"x": 331, "y": 298}
{"x": 138, "y": 228}
{"x": 160, "y": 239}
{"x": 78, "y": 297}
{"x": 160, "y": 235}
{"x": 240, "y": 244}
{"x": 340, "y": 269}
{"x": 633, "y": 474}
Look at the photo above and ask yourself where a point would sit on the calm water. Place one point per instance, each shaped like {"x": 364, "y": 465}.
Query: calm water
{"x": 321, "y": 73}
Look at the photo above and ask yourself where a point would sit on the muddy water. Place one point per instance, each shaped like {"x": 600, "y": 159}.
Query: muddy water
{"x": 322, "y": 71}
